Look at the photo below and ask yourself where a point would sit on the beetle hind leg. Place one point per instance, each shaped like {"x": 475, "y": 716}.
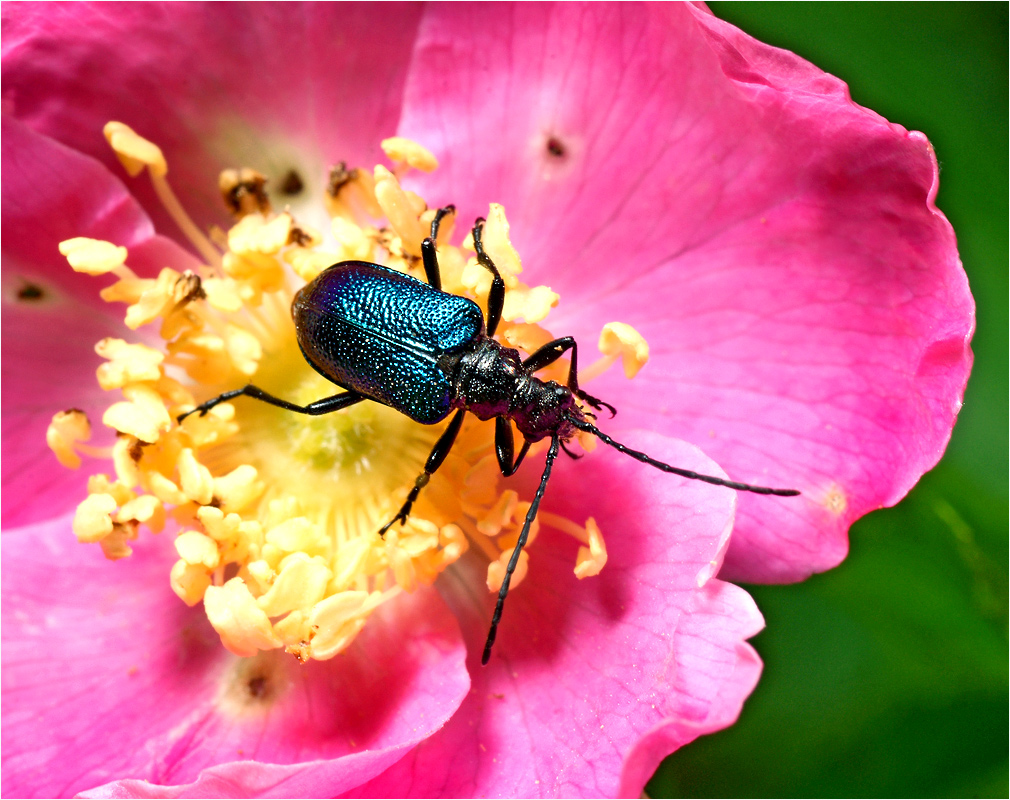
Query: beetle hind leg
{"x": 324, "y": 406}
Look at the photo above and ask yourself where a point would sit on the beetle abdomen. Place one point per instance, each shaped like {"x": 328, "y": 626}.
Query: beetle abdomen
{"x": 383, "y": 333}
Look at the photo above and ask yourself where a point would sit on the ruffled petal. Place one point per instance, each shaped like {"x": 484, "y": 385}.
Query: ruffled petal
{"x": 777, "y": 245}
{"x": 583, "y": 670}
{"x": 107, "y": 677}
{"x": 717, "y": 671}
{"x": 272, "y": 86}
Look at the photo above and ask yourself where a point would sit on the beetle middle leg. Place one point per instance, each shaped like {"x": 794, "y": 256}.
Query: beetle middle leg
{"x": 429, "y": 256}
{"x": 550, "y": 353}
{"x": 435, "y": 459}
{"x": 324, "y": 406}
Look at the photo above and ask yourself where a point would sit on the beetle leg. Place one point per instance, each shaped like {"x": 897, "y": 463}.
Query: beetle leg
{"x": 435, "y": 459}
{"x": 523, "y": 535}
{"x": 504, "y": 447}
{"x": 496, "y": 297}
{"x": 428, "y": 248}
{"x": 550, "y": 353}
{"x": 324, "y": 406}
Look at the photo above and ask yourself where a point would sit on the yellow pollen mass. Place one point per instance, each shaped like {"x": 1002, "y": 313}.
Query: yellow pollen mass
{"x": 275, "y": 515}
{"x": 619, "y": 340}
{"x": 66, "y": 430}
{"x": 93, "y": 256}
{"x": 406, "y": 151}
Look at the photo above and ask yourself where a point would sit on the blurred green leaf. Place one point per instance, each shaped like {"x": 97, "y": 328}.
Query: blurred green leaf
{"x": 886, "y": 677}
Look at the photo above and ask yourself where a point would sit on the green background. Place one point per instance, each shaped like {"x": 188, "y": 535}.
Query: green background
{"x": 888, "y": 675}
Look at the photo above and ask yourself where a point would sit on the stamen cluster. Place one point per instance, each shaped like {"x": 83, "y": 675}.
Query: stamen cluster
{"x": 277, "y": 514}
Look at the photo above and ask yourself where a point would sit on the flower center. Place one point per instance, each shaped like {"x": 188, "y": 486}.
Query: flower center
{"x": 279, "y": 512}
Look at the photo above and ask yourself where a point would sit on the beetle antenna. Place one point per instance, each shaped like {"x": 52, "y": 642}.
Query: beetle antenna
{"x": 686, "y": 473}
{"x": 530, "y": 516}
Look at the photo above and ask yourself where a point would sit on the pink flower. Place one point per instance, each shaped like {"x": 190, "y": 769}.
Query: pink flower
{"x": 777, "y": 246}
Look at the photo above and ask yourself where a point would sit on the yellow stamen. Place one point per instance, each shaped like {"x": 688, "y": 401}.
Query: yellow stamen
{"x": 400, "y": 209}
{"x": 244, "y": 627}
{"x": 256, "y": 234}
{"x": 592, "y": 558}
{"x": 496, "y": 571}
{"x": 406, "y": 151}
{"x": 64, "y": 432}
{"x": 197, "y": 549}
{"x": 619, "y": 340}
{"x": 244, "y": 191}
{"x": 93, "y": 256}
{"x": 128, "y": 363}
{"x": 135, "y": 153}
{"x": 189, "y": 581}
{"x": 93, "y": 520}
{"x": 143, "y": 415}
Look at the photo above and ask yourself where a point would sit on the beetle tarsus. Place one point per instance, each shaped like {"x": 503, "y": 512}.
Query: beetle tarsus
{"x": 595, "y": 402}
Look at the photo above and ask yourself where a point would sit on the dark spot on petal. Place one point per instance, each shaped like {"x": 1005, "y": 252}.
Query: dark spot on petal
{"x": 31, "y": 293}
{"x": 555, "y": 147}
{"x": 257, "y": 686}
{"x": 292, "y": 183}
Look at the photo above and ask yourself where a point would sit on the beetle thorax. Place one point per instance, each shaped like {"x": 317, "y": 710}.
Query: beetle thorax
{"x": 492, "y": 382}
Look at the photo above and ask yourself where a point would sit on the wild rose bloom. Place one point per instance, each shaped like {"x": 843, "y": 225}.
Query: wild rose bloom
{"x": 776, "y": 246}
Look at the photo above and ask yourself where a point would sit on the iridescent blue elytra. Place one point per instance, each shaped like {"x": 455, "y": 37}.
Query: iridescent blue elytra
{"x": 386, "y": 335}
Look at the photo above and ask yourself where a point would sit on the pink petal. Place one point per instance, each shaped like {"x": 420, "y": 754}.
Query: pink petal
{"x": 51, "y": 193}
{"x": 107, "y": 676}
{"x": 777, "y": 245}
{"x": 273, "y": 86}
{"x": 583, "y": 670}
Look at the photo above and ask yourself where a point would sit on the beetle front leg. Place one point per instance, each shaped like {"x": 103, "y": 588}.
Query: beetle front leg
{"x": 495, "y": 297}
{"x": 429, "y": 255}
{"x": 324, "y": 406}
{"x": 504, "y": 447}
{"x": 435, "y": 459}
{"x": 550, "y": 353}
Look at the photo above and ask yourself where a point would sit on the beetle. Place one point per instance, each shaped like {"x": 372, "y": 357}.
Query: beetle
{"x": 387, "y": 337}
